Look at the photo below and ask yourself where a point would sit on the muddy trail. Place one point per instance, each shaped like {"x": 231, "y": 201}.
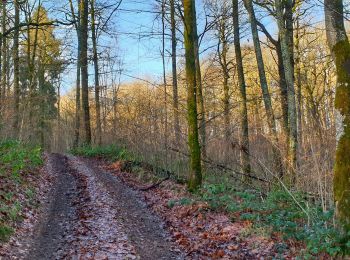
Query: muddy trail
{"x": 91, "y": 214}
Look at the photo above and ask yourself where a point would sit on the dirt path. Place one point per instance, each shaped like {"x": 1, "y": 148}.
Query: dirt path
{"x": 92, "y": 215}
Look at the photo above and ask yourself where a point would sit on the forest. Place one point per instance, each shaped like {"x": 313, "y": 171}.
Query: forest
{"x": 174, "y": 129}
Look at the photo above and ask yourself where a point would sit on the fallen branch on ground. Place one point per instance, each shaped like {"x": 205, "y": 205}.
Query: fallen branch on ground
{"x": 128, "y": 165}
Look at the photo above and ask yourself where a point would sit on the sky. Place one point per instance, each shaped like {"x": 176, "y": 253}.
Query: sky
{"x": 142, "y": 55}
{"x": 137, "y": 42}
{"x": 141, "y": 52}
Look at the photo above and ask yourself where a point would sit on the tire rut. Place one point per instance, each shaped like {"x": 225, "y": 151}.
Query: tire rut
{"x": 59, "y": 215}
{"x": 93, "y": 215}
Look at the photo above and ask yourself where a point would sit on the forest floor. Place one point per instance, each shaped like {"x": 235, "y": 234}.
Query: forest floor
{"x": 89, "y": 214}
{"x": 95, "y": 209}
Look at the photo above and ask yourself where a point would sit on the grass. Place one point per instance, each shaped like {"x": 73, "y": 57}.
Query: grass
{"x": 276, "y": 214}
{"x": 17, "y": 160}
{"x": 5, "y": 232}
{"x": 111, "y": 152}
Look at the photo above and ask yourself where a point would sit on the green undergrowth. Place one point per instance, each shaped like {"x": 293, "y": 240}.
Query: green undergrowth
{"x": 277, "y": 213}
{"x": 146, "y": 170}
{"x": 281, "y": 215}
{"x": 110, "y": 152}
{"x": 17, "y": 161}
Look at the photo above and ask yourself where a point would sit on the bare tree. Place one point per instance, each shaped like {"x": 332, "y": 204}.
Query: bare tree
{"x": 244, "y": 134}
{"x": 84, "y": 68}
{"x": 264, "y": 87}
{"x": 76, "y": 21}
{"x": 195, "y": 178}
{"x": 96, "y": 71}
{"x": 16, "y": 68}
{"x": 177, "y": 129}
{"x": 340, "y": 47}
{"x": 284, "y": 15}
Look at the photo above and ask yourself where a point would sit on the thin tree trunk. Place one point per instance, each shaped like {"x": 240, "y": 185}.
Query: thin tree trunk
{"x": 244, "y": 151}
{"x": 31, "y": 55}
{"x": 77, "y": 101}
{"x": 277, "y": 159}
{"x": 289, "y": 74}
{"x": 4, "y": 55}
{"x": 78, "y": 76}
{"x": 8, "y": 67}
{"x": 199, "y": 89}
{"x": 177, "y": 129}
{"x": 298, "y": 80}
{"x": 84, "y": 68}
{"x": 340, "y": 48}
{"x": 282, "y": 81}
{"x": 59, "y": 139}
{"x": 165, "y": 87}
{"x": 283, "y": 90}
{"x": 97, "y": 81}
{"x": 195, "y": 178}
{"x": 222, "y": 53}
{"x": 0, "y": 74}
{"x": 16, "y": 70}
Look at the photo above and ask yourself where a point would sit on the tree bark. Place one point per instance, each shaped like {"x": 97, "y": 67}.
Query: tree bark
{"x": 177, "y": 129}
{"x": 77, "y": 93}
{"x": 165, "y": 87}
{"x": 223, "y": 59}
{"x": 84, "y": 68}
{"x": 277, "y": 159}
{"x": 195, "y": 178}
{"x": 340, "y": 48}
{"x": 284, "y": 91}
{"x": 282, "y": 81}
{"x": 287, "y": 57}
{"x": 244, "y": 151}
{"x": 298, "y": 80}
{"x": 3, "y": 54}
{"x": 97, "y": 80}
{"x": 16, "y": 70}
{"x": 199, "y": 89}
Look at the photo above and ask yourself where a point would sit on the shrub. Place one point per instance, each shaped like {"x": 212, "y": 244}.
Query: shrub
{"x": 111, "y": 152}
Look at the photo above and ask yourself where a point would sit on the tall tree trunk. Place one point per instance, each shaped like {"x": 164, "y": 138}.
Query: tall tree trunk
{"x": 195, "y": 178}
{"x": 340, "y": 48}
{"x": 199, "y": 89}
{"x": 282, "y": 81}
{"x": 77, "y": 100}
{"x": 59, "y": 139}
{"x": 31, "y": 55}
{"x": 78, "y": 76}
{"x": 245, "y": 160}
{"x": 177, "y": 129}
{"x": 16, "y": 70}
{"x": 283, "y": 90}
{"x": 277, "y": 159}
{"x": 287, "y": 56}
{"x": 3, "y": 54}
{"x": 41, "y": 120}
{"x": 223, "y": 56}
{"x": 97, "y": 81}
{"x": 298, "y": 80}
{"x": 84, "y": 14}
{"x": 8, "y": 67}
{"x": 0, "y": 74}
{"x": 165, "y": 87}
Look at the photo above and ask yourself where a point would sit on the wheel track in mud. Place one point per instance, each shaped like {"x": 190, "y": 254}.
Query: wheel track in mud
{"x": 93, "y": 215}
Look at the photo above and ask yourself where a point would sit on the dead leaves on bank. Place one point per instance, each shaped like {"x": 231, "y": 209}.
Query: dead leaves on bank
{"x": 199, "y": 231}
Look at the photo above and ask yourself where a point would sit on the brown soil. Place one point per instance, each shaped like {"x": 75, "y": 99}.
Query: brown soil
{"x": 91, "y": 214}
